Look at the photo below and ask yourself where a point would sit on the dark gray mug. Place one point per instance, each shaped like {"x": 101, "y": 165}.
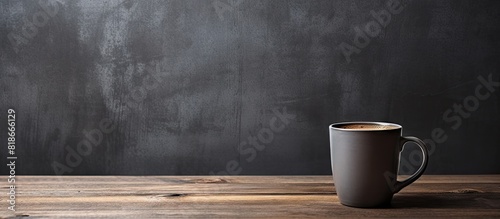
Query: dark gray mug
{"x": 365, "y": 162}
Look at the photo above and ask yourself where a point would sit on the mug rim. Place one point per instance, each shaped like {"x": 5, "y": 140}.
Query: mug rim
{"x": 333, "y": 126}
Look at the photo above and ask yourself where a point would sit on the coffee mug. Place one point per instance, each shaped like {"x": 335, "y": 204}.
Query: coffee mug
{"x": 365, "y": 162}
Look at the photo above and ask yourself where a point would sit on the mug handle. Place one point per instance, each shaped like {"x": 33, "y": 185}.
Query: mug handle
{"x": 400, "y": 185}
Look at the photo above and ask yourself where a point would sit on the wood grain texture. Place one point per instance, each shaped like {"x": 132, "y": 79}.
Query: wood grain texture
{"x": 241, "y": 196}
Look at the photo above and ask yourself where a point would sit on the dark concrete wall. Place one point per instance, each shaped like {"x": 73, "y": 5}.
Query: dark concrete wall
{"x": 186, "y": 87}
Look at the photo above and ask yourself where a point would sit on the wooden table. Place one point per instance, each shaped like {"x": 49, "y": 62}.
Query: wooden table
{"x": 240, "y": 196}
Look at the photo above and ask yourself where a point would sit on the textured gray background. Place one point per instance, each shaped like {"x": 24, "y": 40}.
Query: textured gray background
{"x": 221, "y": 76}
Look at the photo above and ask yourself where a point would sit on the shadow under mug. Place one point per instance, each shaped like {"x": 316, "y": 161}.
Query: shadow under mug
{"x": 365, "y": 163}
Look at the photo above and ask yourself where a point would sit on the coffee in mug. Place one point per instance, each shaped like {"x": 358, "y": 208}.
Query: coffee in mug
{"x": 365, "y": 162}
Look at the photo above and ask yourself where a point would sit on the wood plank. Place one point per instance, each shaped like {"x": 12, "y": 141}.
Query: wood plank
{"x": 244, "y": 179}
{"x": 306, "y": 188}
{"x": 241, "y": 196}
{"x": 232, "y": 185}
{"x": 267, "y": 205}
